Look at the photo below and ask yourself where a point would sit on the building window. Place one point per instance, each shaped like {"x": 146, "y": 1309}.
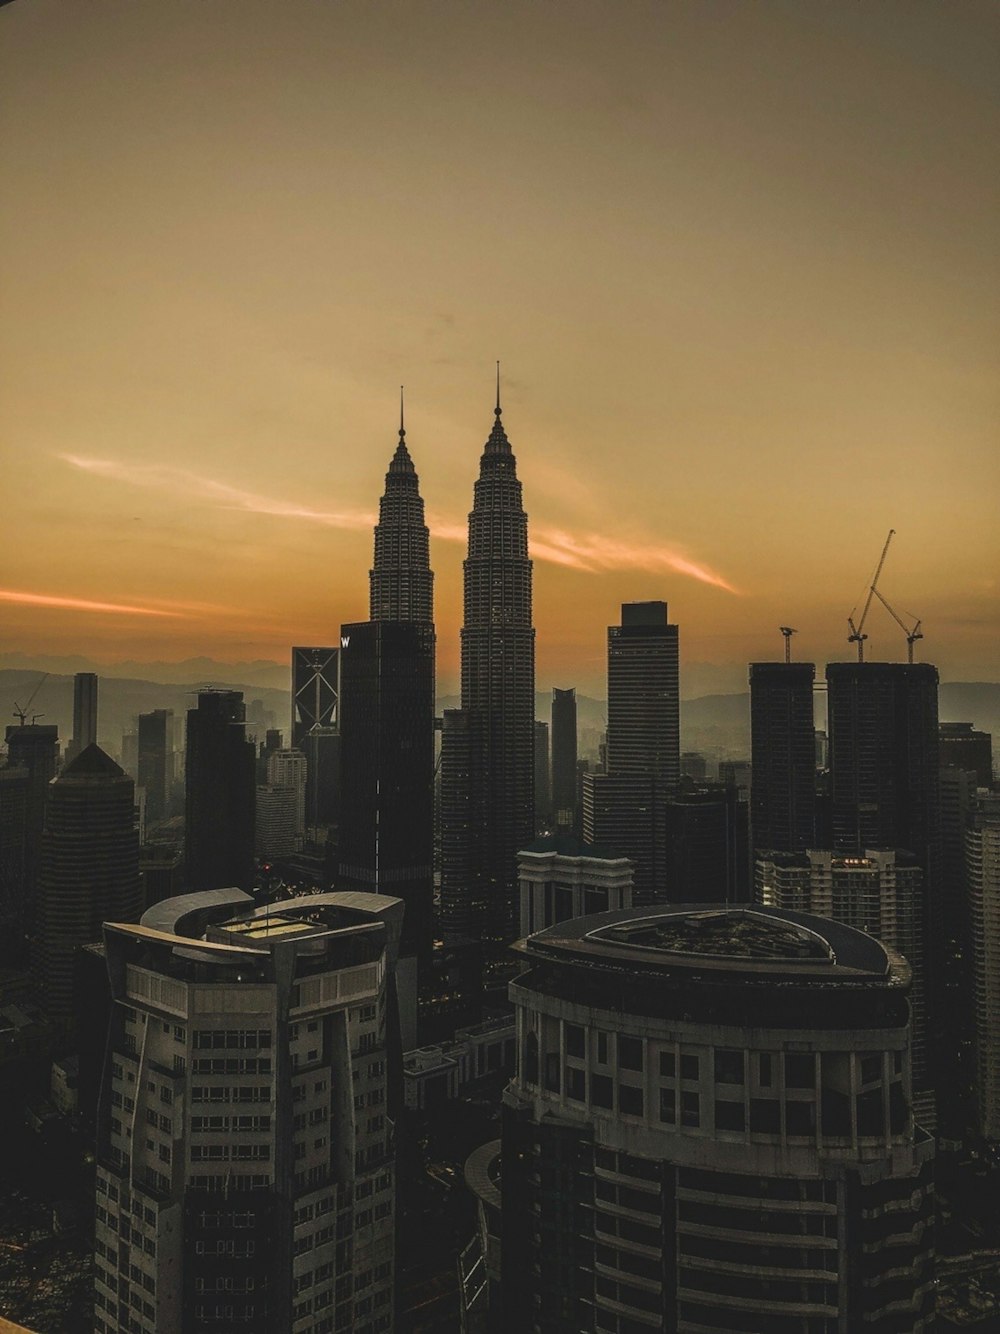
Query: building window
{"x": 668, "y": 1106}
{"x": 574, "y": 1040}
{"x": 765, "y": 1116}
{"x": 690, "y": 1110}
{"x": 629, "y": 1100}
{"x": 601, "y": 1091}
{"x": 728, "y": 1115}
{"x": 629, "y": 1052}
{"x": 668, "y": 1065}
{"x": 764, "y": 1069}
{"x": 800, "y": 1070}
{"x": 728, "y": 1066}
{"x": 689, "y": 1067}
{"x": 602, "y": 1048}
{"x": 575, "y": 1087}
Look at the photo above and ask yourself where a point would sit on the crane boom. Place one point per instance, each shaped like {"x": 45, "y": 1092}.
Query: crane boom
{"x": 913, "y": 633}
{"x": 857, "y": 635}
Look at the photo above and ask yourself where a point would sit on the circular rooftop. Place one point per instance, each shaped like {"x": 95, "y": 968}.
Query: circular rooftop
{"x": 721, "y": 933}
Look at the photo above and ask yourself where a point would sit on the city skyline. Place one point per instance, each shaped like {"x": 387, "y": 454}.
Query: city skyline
{"x": 740, "y": 275}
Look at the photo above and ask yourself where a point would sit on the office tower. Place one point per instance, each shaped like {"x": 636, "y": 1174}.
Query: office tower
{"x": 33, "y": 747}
{"x": 465, "y": 900}
{"x": 880, "y": 892}
{"x": 315, "y": 687}
{"x": 627, "y": 813}
{"x": 478, "y": 880}
{"x": 564, "y": 758}
{"x": 289, "y": 769}
{"x": 89, "y": 871}
{"x": 884, "y": 756}
{"x": 736, "y": 774}
{"x": 706, "y": 856}
{"x": 644, "y": 694}
{"x": 243, "y": 1143}
{"x": 782, "y": 756}
{"x": 983, "y": 872}
{"x": 219, "y": 804}
{"x": 710, "y": 1129}
{"x": 84, "y": 714}
{"x": 562, "y": 877}
{"x": 387, "y": 759}
{"x": 13, "y": 829}
{"x": 543, "y": 793}
{"x": 275, "y": 822}
{"x": 962, "y": 747}
{"x": 155, "y": 762}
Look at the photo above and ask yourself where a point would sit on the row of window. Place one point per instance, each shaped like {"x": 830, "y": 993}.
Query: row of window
{"x": 239, "y": 1039}
{"x": 224, "y": 1153}
{"x": 230, "y": 1093}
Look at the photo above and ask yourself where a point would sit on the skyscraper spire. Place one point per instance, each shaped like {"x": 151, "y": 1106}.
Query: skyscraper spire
{"x": 401, "y": 582}
{"x": 487, "y": 764}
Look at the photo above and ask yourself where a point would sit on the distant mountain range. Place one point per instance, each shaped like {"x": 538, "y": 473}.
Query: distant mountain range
{"x": 716, "y": 725}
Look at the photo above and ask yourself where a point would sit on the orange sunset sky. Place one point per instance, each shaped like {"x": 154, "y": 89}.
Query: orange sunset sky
{"x": 739, "y": 261}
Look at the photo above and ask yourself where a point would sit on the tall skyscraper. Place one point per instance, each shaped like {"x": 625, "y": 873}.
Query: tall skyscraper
{"x": 387, "y": 718}
{"x": 543, "y": 787}
{"x": 962, "y": 747}
{"x": 33, "y": 748}
{"x": 625, "y": 808}
{"x": 13, "y": 894}
{"x": 89, "y": 871}
{"x": 710, "y": 1129}
{"x": 644, "y": 694}
{"x": 884, "y": 756}
{"x": 315, "y": 687}
{"x": 498, "y": 694}
{"x": 783, "y": 756}
{"x": 84, "y": 713}
{"x": 289, "y": 769}
{"x": 983, "y": 888}
{"x": 244, "y": 1144}
{"x": 154, "y": 762}
{"x": 564, "y": 757}
{"x": 220, "y": 791}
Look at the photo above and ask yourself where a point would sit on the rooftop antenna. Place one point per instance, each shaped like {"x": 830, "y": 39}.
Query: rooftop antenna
{"x": 857, "y": 635}
{"x": 497, "y": 408}
{"x": 402, "y": 428}
{"x": 787, "y": 631}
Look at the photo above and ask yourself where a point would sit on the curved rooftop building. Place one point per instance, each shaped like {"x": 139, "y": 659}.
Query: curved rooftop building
{"x": 710, "y": 1129}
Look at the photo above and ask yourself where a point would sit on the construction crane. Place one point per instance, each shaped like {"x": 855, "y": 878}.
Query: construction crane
{"x": 913, "y": 633}
{"x": 787, "y": 631}
{"x": 857, "y": 635}
{"x": 20, "y": 713}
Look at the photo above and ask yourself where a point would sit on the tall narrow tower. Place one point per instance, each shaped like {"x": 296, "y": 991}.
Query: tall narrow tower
{"x": 498, "y": 697}
{"x": 387, "y": 717}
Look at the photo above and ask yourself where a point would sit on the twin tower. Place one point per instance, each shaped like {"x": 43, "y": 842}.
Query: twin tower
{"x": 387, "y": 714}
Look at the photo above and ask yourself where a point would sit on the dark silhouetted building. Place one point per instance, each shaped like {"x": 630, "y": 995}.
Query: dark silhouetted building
{"x": 783, "y": 756}
{"x": 401, "y": 583}
{"x": 962, "y": 747}
{"x": 983, "y": 888}
{"x": 644, "y": 694}
{"x": 564, "y": 758}
{"x": 543, "y": 789}
{"x": 34, "y": 748}
{"x": 707, "y": 852}
{"x": 84, "y": 713}
{"x": 219, "y": 806}
{"x": 478, "y": 881}
{"x": 626, "y": 813}
{"x": 387, "y": 754}
{"x": 562, "y": 877}
{"x": 710, "y": 1129}
{"x": 155, "y": 763}
{"x": 89, "y": 871}
{"x": 14, "y": 785}
{"x": 315, "y": 686}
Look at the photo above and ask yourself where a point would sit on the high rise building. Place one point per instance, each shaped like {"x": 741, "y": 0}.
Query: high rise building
{"x": 387, "y": 759}
{"x": 315, "y": 688}
{"x": 13, "y": 830}
{"x": 710, "y": 1129}
{"x": 707, "y": 855}
{"x": 543, "y": 787}
{"x": 564, "y": 758}
{"x": 962, "y": 747}
{"x": 644, "y": 694}
{"x": 289, "y": 769}
{"x": 625, "y": 808}
{"x": 155, "y": 762}
{"x": 783, "y": 756}
{"x": 33, "y": 748}
{"x": 89, "y": 871}
{"x": 84, "y": 713}
{"x": 220, "y": 791}
{"x": 884, "y": 756}
{"x": 498, "y": 694}
{"x": 983, "y": 872}
{"x": 244, "y": 1144}
{"x": 275, "y": 822}
{"x": 386, "y": 842}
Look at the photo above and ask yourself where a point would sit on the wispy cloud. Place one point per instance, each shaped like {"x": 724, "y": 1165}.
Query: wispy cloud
{"x": 590, "y": 553}
{"x": 80, "y": 604}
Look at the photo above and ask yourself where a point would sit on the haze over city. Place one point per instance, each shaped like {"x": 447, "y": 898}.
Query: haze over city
{"x": 738, "y": 263}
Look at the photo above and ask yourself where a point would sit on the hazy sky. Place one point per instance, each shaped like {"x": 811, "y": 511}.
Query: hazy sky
{"x": 739, "y": 260}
